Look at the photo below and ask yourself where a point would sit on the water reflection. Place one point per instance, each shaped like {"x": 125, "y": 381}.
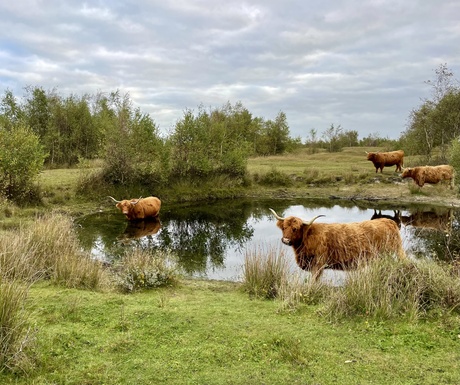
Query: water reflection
{"x": 211, "y": 240}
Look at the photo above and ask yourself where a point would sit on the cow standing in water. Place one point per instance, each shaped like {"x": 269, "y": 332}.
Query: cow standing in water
{"x": 141, "y": 208}
{"x": 386, "y": 159}
{"x": 338, "y": 245}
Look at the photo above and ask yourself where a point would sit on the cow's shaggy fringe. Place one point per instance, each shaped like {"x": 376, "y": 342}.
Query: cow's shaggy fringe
{"x": 48, "y": 249}
{"x": 15, "y": 335}
{"x": 264, "y": 271}
{"x": 386, "y": 288}
{"x": 141, "y": 269}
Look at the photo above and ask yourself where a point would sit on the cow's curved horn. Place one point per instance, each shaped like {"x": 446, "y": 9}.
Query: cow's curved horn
{"x": 366, "y": 152}
{"x": 135, "y": 203}
{"x": 276, "y": 215}
{"x": 311, "y": 221}
{"x": 114, "y": 199}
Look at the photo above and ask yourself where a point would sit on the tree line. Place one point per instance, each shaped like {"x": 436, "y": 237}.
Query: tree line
{"x": 44, "y": 128}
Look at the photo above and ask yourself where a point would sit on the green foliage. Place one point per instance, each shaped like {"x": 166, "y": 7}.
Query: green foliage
{"x": 437, "y": 121}
{"x": 141, "y": 269}
{"x": 455, "y": 157}
{"x": 274, "y": 178}
{"x": 21, "y": 159}
{"x": 209, "y": 143}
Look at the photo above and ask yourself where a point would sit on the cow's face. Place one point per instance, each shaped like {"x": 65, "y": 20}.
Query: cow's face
{"x": 371, "y": 156}
{"x": 407, "y": 173}
{"x": 292, "y": 229}
{"x": 125, "y": 206}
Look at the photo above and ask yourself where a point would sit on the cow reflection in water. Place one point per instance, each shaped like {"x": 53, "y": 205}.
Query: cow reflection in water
{"x": 396, "y": 217}
{"x": 430, "y": 220}
{"x": 140, "y": 229}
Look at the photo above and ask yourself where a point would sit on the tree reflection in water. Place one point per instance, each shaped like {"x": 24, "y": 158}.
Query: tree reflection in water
{"x": 202, "y": 236}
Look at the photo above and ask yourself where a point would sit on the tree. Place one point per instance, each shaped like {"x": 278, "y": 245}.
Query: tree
{"x": 436, "y": 122}
{"x": 331, "y": 137}
{"x": 10, "y": 111}
{"x": 312, "y": 141}
{"x": 21, "y": 160}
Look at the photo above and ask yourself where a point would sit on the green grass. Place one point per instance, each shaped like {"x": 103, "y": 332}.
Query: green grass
{"x": 212, "y": 333}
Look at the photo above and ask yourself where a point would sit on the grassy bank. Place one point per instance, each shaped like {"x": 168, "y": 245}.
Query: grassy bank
{"x": 212, "y": 333}
{"x": 343, "y": 175}
{"x": 66, "y": 319}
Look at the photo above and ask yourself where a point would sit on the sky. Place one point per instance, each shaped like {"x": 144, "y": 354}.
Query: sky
{"x": 362, "y": 65}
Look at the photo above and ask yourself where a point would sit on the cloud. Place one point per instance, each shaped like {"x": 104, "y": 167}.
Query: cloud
{"x": 358, "y": 64}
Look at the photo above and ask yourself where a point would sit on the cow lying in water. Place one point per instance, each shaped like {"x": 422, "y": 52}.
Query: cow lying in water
{"x": 338, "y": 245}
{"x": 141, "y": 208}
{"x": 430, "y": 174}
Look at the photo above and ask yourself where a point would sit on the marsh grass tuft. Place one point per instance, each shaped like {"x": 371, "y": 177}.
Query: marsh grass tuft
{"x": 49, "y": 249}
{"x": 264, "y": 271}
{"x": 144, "y": 269}
{"x": 15, "y": 336}
{"x": 296, "y": 289}
{"x": 387, "y": 288}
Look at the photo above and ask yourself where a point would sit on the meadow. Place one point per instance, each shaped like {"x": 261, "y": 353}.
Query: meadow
{"x": 67, "y": 319}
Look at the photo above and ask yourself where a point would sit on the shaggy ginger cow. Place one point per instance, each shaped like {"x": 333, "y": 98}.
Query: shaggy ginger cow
{"x": 385, "y": 159}
{"x": 141, "y": 208}
{"x": 430, "y": 174}
{"x": 338, "y": 245}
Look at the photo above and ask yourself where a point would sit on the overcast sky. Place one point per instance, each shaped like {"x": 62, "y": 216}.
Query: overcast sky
{"x": 361, "y": 64}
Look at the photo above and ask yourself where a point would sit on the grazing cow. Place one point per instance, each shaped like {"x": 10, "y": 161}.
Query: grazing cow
{"x": 430, "y": 174}
{"x": 141, "y": 208}
{"x": 338, "y": 245}
{"x": 385, "y": 159}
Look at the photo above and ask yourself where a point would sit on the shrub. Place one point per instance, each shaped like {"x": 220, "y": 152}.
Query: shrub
{"x": 143, "y": 269}
{"x": 263, "y": 272}
{"x": 275, "y": 178}
{"x": 387, "y": 288}
{"x": 21, "y": 160}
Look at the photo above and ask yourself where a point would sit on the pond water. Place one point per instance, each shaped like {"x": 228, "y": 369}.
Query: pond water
{"x": 211, "y": 240}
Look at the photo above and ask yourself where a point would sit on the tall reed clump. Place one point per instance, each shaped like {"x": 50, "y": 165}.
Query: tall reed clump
{"x": 15, "y": 336}
{"x": 264, "y": 271}
{"x": 142, "y": 269}
{"x": 387, "y": 288}
{"x": 297, "y": 290}
{"x": 49, "y": 249}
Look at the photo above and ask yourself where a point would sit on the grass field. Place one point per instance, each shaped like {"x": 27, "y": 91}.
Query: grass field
{"x": 206, "y": 332}
{"x": 346, "y": 174}
{"x": 212, "y": 333}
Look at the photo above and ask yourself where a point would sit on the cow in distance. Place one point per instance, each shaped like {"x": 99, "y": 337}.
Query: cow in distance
{"x": 430, "y": 174}
{"x": 386, "y": 159}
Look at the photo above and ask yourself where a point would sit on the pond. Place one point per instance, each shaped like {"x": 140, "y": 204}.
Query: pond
{"x": 211, "y": 240}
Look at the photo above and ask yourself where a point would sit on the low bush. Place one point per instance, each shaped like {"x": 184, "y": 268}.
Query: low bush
{"x": 274, "y": 178}
{"x": 145, "y": 269}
